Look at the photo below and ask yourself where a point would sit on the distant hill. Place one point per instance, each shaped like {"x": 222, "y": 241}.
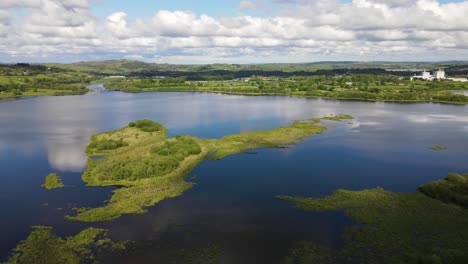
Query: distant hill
{"x": 144, "y": 69}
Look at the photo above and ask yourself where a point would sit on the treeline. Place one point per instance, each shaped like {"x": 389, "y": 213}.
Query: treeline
{"x": 220, "y": 75}
{"x": 20, "y": 78}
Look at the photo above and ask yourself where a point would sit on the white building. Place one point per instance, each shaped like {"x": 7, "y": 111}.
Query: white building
{"x": 440, "y": 74}
{"x": 425, "y": 76}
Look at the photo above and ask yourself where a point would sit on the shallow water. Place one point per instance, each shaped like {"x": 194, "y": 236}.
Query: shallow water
{"x": 233, "y": 204}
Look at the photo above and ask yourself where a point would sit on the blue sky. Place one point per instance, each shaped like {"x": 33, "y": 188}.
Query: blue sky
{"x": 233, "y": 31}
{"x": 146, "y": 9}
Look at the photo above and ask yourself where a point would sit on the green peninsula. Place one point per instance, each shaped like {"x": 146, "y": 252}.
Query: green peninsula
{"x": 149, "y": 167}
{"x": 397, "y": 227}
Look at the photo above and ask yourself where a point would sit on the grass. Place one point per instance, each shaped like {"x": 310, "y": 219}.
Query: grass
{"x": 38, "y": 92}
{"x": 152, "y": 167}
{"x": 53, "y": 181}
{"x": 340, "y": 117}
{"x": 398, "y": 228}
{"x": 42, "y": 246}
{"x": 439, "y": 147}
{"x": 277, "y": 137}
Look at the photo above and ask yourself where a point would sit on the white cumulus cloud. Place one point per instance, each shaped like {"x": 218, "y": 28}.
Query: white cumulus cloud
{"x": 302, "y": 30}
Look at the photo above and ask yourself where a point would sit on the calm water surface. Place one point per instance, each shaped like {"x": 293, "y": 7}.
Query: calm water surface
{"x": 233, "y": 204}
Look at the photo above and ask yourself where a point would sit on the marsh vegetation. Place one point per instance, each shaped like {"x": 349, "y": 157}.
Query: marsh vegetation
{"x": 43, "y": 247}
{"x": 397, "y": 228}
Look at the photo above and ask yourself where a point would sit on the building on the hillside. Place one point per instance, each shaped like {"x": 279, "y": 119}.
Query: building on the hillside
{"x": 440, "y": 74}
{"x": 425, "y": 76}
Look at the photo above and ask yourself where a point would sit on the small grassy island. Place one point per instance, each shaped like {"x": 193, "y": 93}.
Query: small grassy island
{"x": 150, "y": 167}
{"x": 439, "y": 148}
{"x": 53, "y": 181}
{"x": 42, "y": 246}
{"x": 398, "y": 228}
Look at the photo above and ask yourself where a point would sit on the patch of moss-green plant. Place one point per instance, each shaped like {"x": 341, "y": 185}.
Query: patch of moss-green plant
{"x": 210, "y": 254}
{"x": 340, "y": 117}
{"x": 53, "y": 181}
{"x": 277, "y": 137}
{"x": 306, "y": 252}
{"x": 451, "y": 189}
{"x": 146, "y": 125}
{"x": 439, "y": 147}
{"x": 97, "y": 146}
{"x": 153, "y": 167}
{"x": 42, "y": 246}
{"x": 398, "y": 228}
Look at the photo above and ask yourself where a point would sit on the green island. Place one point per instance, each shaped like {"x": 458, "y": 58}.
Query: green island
{"x": 149, "y": 167}
{"x": 53, "y": 181}
{"x": 427, "y": 226}
{"x": 439, "y": 148}
{"x": 42, "y": 246}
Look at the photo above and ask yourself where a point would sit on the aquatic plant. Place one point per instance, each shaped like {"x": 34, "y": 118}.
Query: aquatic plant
{"x": 397, "y": 228}
{"x": 439, "y": 147}
{"x": 41, "y": 246}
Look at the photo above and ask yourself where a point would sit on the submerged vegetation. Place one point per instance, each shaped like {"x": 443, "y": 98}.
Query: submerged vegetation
{"x": 53, "y": 181}
{"x": 42, "y": 246}
{"x": 153, "y": 167}
{"x": 398, "y": 228}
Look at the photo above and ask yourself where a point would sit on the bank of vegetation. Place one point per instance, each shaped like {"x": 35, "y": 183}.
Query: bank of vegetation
{"x": 332, "y": 80}
{"x": 366, "y": 87}
{"x": 37, "y": 80}
{"x": 427, "y": 226}
{"x": 42, "y": 246}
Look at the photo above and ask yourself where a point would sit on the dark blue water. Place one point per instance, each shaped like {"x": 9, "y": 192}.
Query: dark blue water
{"x": 233, "y": 204}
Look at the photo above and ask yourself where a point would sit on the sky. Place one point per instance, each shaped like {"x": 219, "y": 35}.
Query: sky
{"x": 233, "y": 31}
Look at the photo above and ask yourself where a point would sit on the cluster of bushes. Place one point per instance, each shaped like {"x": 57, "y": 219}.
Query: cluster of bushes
{"x": 106, "y": 144}
{"x": 451, "y": 189}
{"x": 53, "y": 181}
{"x": 165, "y": 159}
{"x": 136, "y": 168}
{"x": 146, "y": 125}
{"x": 180, "y": 148}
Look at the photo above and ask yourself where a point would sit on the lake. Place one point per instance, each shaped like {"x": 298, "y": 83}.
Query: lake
{"x": 232, "y": 206}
